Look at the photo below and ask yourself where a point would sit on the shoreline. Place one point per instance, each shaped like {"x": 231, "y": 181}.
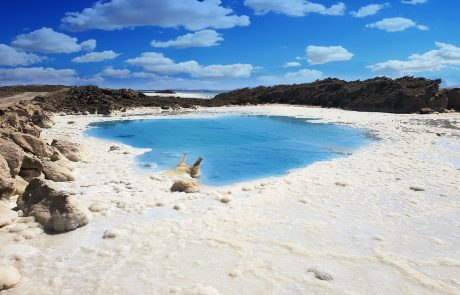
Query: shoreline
{"x": 355, "y": 218}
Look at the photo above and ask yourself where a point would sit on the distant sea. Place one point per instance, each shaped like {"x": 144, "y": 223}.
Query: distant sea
{"x": 206, "y": 94}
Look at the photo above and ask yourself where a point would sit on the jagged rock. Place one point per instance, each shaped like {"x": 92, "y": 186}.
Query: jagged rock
{"x": 6, "y": 182}
{"x": 19, "y": 185}
{"x": 187, "y": 186}
{"x": 32, "y": 144}
{"x": 403, "y": 95}
{"x": 52, "y": 208}
{"x": 320, "y": 275}
{"x": 70, "y": 150}
{"x": 13, "y": 155}
{"x": 453, "y": 96}
{"x": 439, "y": 102}
{"x": 9, "y": 276}
{"x": 54, "y": 171}
{"x": 193, "y": 171}
{"x": 7, "y": 216}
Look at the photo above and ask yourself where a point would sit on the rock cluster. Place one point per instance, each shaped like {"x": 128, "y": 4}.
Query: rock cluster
{"x": 52, "y": 208}
{"x": 26, "y": 160}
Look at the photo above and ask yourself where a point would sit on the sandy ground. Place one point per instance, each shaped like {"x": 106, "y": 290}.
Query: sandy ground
{"x": 385, "y": 220}
{"x": 5, "y": 101}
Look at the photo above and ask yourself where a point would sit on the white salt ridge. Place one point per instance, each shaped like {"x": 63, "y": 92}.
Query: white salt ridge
{"x": 354, "y": 218}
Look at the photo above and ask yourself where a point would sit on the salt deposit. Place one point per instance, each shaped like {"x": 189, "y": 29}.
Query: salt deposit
{"x": 355, "y": 221}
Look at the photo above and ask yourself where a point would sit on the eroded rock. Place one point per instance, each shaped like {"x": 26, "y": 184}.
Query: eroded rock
{"x": 55, "y": 172}
{"x": 32, "y": 144}
{"x": 70, "y": 150}
{"x": 52, "y": 208}
{"x": 13, "y": 155}
{"x": 6, "y": 182}
{"x": 187, "y": 186}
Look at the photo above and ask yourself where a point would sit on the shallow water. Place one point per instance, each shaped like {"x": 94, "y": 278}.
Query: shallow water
{"x": 234, "y": 148}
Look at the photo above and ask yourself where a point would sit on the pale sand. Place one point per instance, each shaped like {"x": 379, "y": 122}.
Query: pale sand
{"x": 355, "y": 219}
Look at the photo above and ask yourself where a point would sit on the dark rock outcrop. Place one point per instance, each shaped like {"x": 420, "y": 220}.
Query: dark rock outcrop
{"x": 403, "y": 95}
{"x": 52, "y": 208}
{"x": 453, "y": 96}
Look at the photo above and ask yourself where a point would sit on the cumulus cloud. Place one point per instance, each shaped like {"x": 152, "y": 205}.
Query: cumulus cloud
{"x": 317, "y": 55}
{"x": 301, "y": 76}
{"x": 369, "y": 10}
{"x": 205, "y": 38}
{"x": 10, "y": 56}
{"x": 46, "y": 40}
{"x": 396, "y": 24}
{"x": 96, "y": 56}
{"x": 292, "y": 64}
{"x": 294, "y": 7}
{"x": 157, "y": 63}
{"x": 414, "y": 2}
{"x": 40, "y": 75}
{"x": 445, "y": 56}
{"x": 118, "y": 14}
{"x": 114, "y": 73}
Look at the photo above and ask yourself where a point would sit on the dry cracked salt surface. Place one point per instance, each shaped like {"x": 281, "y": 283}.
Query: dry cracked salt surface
{"x": 384, "y": 220}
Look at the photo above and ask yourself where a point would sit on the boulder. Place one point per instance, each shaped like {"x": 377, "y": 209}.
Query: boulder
{"x": 13, "y": 155}
{"x": 439, "y": 102}
{"x": 70, "y": 150}
{"x": 453, "y": 96}
{"x": 19, "y": 185}
{"x": 32, "y": 144}
{"x": 187, "y": 186}
{"x": 53, "y": 209}
{"x": 55, "y": 172}
{"x": 6, "y": 182}
{"x": 7, "y": 216}
{"x": 32, "y": 167}
{"x": 9, "y": 276}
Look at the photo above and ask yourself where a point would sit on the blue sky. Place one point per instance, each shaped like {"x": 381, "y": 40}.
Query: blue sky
{"x": 212, "y": 44}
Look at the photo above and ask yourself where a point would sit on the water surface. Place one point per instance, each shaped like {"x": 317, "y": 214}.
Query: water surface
{"x": 234, "y": 148}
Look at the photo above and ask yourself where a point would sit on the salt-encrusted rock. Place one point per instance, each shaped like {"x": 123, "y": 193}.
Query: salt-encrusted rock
{"x": 7, "y": 216}
{"x": 52, "y": 208}
{"x": 55, "y": 172}
{"x": 114, "y": 148}
{"x": 19, "y": 185}
{"x": 13, "y": 155}
{"x": 111, "y": 234}
{"x": 188, "y": 186}
{"x": 225, "y": 199}
{"x": 98, "y": 207}
{"x": 32, "y": 144}
{"x": 6, "y": 182}
{"x": 320, "y": 275}
{"x": 9, "y": 276}
{"x": 70, "y": 150}
{"x": 31, "y": 167}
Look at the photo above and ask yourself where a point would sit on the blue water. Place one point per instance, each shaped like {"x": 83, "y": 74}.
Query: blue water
{"x": 234, "y": 148}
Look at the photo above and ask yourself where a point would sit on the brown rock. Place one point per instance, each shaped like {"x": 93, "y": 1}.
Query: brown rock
{"x": 55, "y": 172}
{"x": 6, "y": 182}
{"x": 13, "y": 155}
{"x": 19, "y": 185}
{"x": 187, "y": 186}
{"x": 52, "y": 208}
{"x": 32, "y": 144}
{"x": 70, "y": 150}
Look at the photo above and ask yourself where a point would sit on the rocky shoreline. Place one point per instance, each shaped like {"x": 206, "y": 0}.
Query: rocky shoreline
{"x": 29, "y": 165}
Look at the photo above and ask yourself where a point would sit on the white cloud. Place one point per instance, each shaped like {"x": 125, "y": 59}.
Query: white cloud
{"x": 114, "y": 73}
{"x": 294, "y": 7}
{"x": 301, "y": 76}
{"x": 369, "y": 10}
{"x": 317, "y": 55}
{"x": 96, "y": 56}
{"x": 47, "y": 40}
{"x": 292, "y": 64}
{"x": 414, "y": 2}
{"x": 40, "y": 75}
{"x": 157, "y": 63}
{"x": 10, "y": 56}
{"x": 446, "y": 55}
{"x": 117, "y": 14}
{"x": 205, "y": 38}
{"x": 396, "y": 24}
